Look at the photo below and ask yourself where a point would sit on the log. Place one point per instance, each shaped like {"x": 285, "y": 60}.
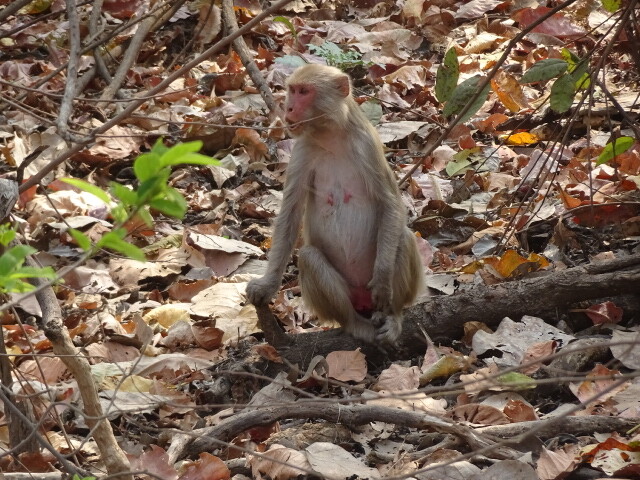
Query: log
{"x": 546, "y": 295}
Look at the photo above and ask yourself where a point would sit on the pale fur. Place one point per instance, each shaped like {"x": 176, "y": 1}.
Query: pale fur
{"x": 341, "y": 188}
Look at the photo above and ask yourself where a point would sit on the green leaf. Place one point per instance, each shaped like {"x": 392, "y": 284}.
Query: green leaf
{"x": 288, "y": 23}
{"x": 168, "y": 208}
{"x": 577, "y": 68}
{"x": 581, "y": 82}
{"x": 373, "y": 110}
{"x": 172, "y": 204}
{"x": 6, "y": 235}
{"x": 159, "y": 148}
{"x": 611, "y": 149}
{"x": 611, "y": 5}
{"x": 291, "y": 61}
{"x": 195, "y": 159}
{"x": 119, "y": 214}
{"x": 447, "y": 76}
{"x": 545, "y": 70}
{"x": 87, "y": 187}
{"x": 571, "y": 58}
{"x": 153, "y": 186}
{"x": 125, "y": 195}
{"x": 174, "y": 155}
{"x": 518, "y": 381}
{"x": 81, "y": 239}
{"x": 563, "y": 92}
{"x": 34, "y": 272}
{"x": 12, "y": 285}
{"x": 458, "y": 166}
{"x": 463, "y": 94}
{"x": 145, "y": 216}
{"x": 14, "y": 258}
{"x": 146, "y": 166}
{"x": 114, "y": 241}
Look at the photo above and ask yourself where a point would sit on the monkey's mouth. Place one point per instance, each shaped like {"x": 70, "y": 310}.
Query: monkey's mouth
{"x": 294, "y": 127}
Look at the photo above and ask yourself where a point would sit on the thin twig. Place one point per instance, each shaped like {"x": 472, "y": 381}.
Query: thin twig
{"x": 514, "y": 41}
{"x": 242, "y": 49}
{"x": 136, "y": 102}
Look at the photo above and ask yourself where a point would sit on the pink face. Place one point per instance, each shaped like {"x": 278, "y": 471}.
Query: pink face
{"x": 300, "y": 98}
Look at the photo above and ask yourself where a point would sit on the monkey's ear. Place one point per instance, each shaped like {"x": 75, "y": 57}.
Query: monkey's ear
{"x": 342, "y": 83}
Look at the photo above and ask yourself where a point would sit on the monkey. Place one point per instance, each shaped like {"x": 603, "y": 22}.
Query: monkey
{"x": 359, "y": 263}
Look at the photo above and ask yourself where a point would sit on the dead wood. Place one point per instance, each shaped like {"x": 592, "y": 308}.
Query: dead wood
{"x": 111, "y": 454}
{"x": 210, "y": 438}
{"x": 240, "y": 46}
{"x": 547, "y": 296}
{"x": 549, "y": 428}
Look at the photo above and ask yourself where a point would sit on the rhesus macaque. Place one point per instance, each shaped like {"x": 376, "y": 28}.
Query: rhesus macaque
{"x": 359, "y": 264}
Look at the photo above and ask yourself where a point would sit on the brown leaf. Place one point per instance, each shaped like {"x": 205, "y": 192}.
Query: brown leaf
{"x": 347, "y": 366}
{"x": 509, "y": 91}
{"x": 537, "y": 351}
{"x": 607, "y": 312}
{"x": 251, "y": 140}
{"x": 479, "y": 414}
{"x": 155, "y": 462}
{"x": 558, "y": 25}
{"x": 268, "y": 352}
{"x": 208, "y": 467}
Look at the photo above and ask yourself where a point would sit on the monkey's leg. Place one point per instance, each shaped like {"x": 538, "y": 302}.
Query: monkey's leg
{"x": 407, "y": 280}
{"x": 326, "y": 292}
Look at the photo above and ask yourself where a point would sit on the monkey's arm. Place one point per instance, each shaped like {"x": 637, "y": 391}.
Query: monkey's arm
{"x": 287, "y": 226}
{"x": 390, "y": 229}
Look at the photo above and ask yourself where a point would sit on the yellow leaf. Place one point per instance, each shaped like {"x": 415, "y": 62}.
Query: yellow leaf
{"x": 522, "y": 138}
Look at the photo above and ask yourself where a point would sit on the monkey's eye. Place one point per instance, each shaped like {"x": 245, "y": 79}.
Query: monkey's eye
{"x": 304, "y": 91}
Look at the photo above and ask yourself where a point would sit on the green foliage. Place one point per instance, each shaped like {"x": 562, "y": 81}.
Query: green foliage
{"x": 337, "y": 57}
{"x": 78, "y": 477}
{"x": 12, "y": 270}
{"x": 517, "y": 381}
{"x": 611, "y": 5}
{"x": 462, "y": 94}
{"x": 572, "y": 76}
{"x": 291, "y": 61}
{"x": 611, "y": 149}
{"x": 288, "y": 23}
{"x": 563, "y": 92}
{"x": 447, "y": 76}
{"x": 152, "y": 169}
{"x": 545, "y": 70}
{"x": 577, "y": 69}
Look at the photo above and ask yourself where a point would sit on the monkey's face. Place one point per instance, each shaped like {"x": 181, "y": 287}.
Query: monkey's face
{"x": 300, "y": 107}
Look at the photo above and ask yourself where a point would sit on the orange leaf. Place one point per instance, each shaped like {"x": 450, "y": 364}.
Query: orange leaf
{"x": 209, "y": 467}
{"x": 569, "y": 201}
{"x": 522, "y": 138}
{"x": 509, "y": 91}
{"x": 607, "y": 312}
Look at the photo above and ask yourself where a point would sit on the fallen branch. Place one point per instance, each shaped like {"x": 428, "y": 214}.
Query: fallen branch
{"x": 111, "y": 454}
{"x": 244, "y": 53}
{"x": 443, "y": 317}
{"x": 207, "y": 439}
{"x": 550, "y": 427}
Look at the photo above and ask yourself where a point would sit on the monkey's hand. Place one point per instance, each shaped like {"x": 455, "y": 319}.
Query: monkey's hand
{"x": 381, "y": 292}
{"x": 261, "y": 290}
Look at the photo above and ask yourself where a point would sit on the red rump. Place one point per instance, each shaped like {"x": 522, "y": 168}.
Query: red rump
{"x": 361, "y": 299}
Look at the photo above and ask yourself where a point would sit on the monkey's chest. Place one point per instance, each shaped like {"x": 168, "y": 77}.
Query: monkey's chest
{"x": 341, "y": 221}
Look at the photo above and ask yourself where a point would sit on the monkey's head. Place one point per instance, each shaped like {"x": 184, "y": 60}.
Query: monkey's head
{"x": 317, "y": 97}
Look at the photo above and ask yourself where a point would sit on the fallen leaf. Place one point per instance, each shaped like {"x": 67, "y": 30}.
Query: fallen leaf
{"x": 347, "y": 366}
{"x": 208, "y": 467}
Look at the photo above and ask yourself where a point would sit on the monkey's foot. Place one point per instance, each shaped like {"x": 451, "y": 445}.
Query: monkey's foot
{"x": 363, "y": 329}
{"x": 388, "y": 327}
